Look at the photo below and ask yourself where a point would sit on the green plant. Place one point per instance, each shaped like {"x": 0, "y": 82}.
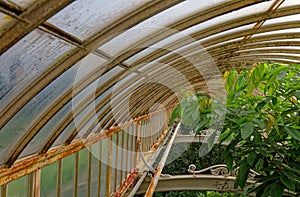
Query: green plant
{"x": 260, "y": 123}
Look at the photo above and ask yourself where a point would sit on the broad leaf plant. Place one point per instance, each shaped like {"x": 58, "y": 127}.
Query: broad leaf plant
{"x": 259, "y": 119}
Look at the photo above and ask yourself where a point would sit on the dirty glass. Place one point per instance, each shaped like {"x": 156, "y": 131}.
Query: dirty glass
{"x": 18, "y": 187}
{"x": 25, "y": 61}
{"x": 49, "y": 180}
{"x": 83, "y": 172}
{"x": 68, "y": 179}
{"x": 85, "y": 21}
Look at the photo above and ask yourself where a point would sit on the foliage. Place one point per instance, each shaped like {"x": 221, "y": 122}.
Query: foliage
{"x": 260, "y": 120}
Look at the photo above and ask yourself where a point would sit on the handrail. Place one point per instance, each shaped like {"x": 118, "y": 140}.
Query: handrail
{"x": 160, "y": 166}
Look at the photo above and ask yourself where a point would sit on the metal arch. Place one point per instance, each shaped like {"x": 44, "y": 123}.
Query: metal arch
{"x": 266, "y": 50}
{"x": 186, "y": 69}
{"x": 36, "y": 14}
{"x": 262, "y": 59}
{"x": 266, "y": 28}
{"x": 181, "y": 25}
{"x": 74, "y": 56}
{"x": 248, "y": 63}
{"x": 109, "y": 121}
{"x": 29, "y": 137}
{"x": 152, "y": 8}
{"x": 264, "y": 56}
{"x": 104, "y": 101}
{"x": 257, "y": 39}
{"x": 150, "y": 102}
{"x": 222, "y": 49}
{"x": 223, "y": 27}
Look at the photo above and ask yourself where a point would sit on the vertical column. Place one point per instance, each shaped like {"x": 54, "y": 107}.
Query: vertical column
{"x": 37, "y": 183}
{"x": 99, "y": 169}
{"x": 3, "y": 191}
{"x": 117, "y": 160}
{"x": 122, "y": 156}
{"x": 59, "y": 178}
{"x": 138, "y": 131}
{"x": 109, "y": 169}
{"x": 89, "y": 172}
{"x": 76, "y": 174}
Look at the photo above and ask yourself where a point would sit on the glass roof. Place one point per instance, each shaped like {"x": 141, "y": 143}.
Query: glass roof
{"x": 86, "y": 63}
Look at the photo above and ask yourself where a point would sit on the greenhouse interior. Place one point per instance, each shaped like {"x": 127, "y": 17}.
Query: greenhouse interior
{"x": 149, "y": 98}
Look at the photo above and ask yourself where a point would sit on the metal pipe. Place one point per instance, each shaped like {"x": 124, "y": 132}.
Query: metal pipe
{"x": 161, "y": 164}
{"x": 152, "y": 160}
{"x": 138, "y": 184}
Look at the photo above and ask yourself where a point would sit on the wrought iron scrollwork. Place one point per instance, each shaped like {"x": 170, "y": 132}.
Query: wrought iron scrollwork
{"x": 220, "y": 169}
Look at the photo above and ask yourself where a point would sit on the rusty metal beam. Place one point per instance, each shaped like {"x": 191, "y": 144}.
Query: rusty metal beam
{"x": 161, "y": 164}
{"x": 32, "y": 163}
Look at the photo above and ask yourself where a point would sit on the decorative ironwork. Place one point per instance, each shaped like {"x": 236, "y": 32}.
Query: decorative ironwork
{"x": 220, "y": 169}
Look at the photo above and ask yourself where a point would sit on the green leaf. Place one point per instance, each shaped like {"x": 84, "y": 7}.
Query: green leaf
{"x": 223, "y": 136}
{"x": 293, "y": 132}
{"x": 259, "y": 165}
{"x": 288, "y": 183}
{"x": 229, "y": 161}
{"x": 201, "y": 125}
{"x": 241, "y": 82}
{"x": 230, "y": 80}
{"x": 247, "y": 129}
{"x": 292, "y": 176}
{"x": 175, "y": 113}
{"x": 242, "y": 175}
{"x": 251, "y": 158}
{"x": 266, "y": 190}
{"x": 211, "y": 140}
{"x": 276, "y": 190}
{"x": 281, "y": 75}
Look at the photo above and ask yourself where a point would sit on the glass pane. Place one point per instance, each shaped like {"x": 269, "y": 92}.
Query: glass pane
{"x": 125, "y": 155}
{"x": 104, "y": 156}
{"x": 291, "y": 18}
{"x": 155, "y": 23}
{"x": 187, "y": 8}
{"x": 83, "y": 172}
{"x": 120, "y": 159}
{"x": 113, "y": 162}
{"x": 68, "y": 164}
{"x": 41, "y": 137}
{"x": 18, "y": 188}
{"x": 85, "y": 21}
{"x": 283, "y": 31}
{"x": 65, "y": 134}
{"x": 26, "y": 61}
{"x": 91, "y": 107}
{"x": 289, "y": 3}
{"x": 95, "y": 169}
{"x": 30, "y": 113}
{"x": 49, "y": 180}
